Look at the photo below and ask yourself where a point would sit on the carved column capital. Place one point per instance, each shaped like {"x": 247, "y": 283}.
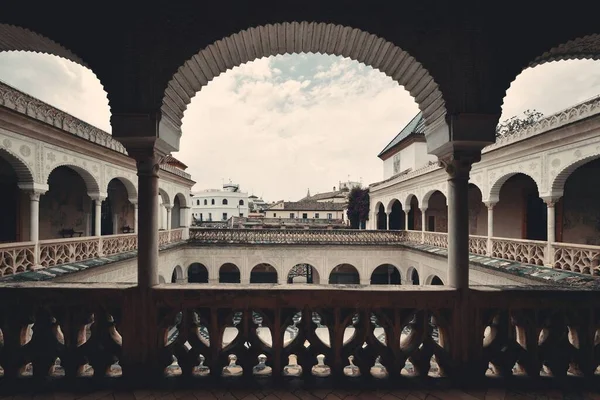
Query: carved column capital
{"x": 100, "y": 197}
{"x": 34, "y": 190}
{"x": 168, "y": 206}
{"x": 458, "y": 163}
{"x": 490, "y": 204}
{"x": 147, "y": 159}
{"x": 551, "y": 201}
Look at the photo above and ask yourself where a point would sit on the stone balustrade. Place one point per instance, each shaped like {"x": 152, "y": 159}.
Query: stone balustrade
{"x": 230, "y": 335}
{"x": 16, "y": 257}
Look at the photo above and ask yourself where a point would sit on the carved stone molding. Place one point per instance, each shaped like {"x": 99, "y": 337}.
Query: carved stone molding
{"x": 458, "y": 163}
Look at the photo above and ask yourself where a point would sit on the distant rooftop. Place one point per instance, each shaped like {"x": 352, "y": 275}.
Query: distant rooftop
{"x": 415, "y": 127}
{"x": 310, "y": 205}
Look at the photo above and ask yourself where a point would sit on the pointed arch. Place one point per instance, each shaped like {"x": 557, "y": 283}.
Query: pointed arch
{"x": 496, "y": 185}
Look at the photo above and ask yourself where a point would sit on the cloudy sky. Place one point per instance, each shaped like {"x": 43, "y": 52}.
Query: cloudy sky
{"x": 280, "y": 125}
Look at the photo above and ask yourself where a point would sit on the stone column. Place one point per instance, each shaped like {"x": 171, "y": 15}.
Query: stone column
{"x": 35, "y": 191}
{"x": 458, "y": 165}
{"x": 406, "y": 218}
{"x": 551, "y": 226}
{"x": 185, "y": 220}
{"x": 115, "y": 220}
{"x": 168, "y": 207}
{"x": 98, "y": 198}
{"x": 490, "y": 226}
{"x": 423, "y": 223}
{"x": 135, "y": 217}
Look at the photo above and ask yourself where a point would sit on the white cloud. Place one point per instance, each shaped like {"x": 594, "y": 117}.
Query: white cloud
{"x": 278, "y": 131}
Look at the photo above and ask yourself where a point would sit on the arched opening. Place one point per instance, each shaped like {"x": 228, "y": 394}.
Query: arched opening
{"x": 303, "y": 273}
{"x": 263, "y": 273}
{"x": 477, "y": 212}
{"x": 177, "y": 275}
{"x": 344, "y": 274}
{"x": 66, "y": 206}
{"x": 437, "y": 213}
{"x": 229, "y": 273}
{"x": 13, "y": 202}
{"x": 396, "y": 216}
{"x": 413, "y": 276}
{"x": 176, "y": 211}
{"x": 381, "y": 217}
{"x": 414, "y": 215}
{"x": 436, "y": 280}
{"x": 520, "y": 212}
{"x": 241, "y": 202}
{"x": 386, "y": 274}
{"x": 161, "y": 279}
{"x": 224, "y": 202}
{"x": 578, "y": 211}
{"x": 164, "y": 203}
{"x": 198, "y": 273}
{"x": 117, "y": 211}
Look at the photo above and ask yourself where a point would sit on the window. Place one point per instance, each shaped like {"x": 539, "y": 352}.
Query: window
{"x": 205, "y": 202}
{"x": 329, "y": 216}
{"x": 274, "y": 215}
{"x": 305, "y": 215}
{"x": 224, "y": 202}
{"x": 210, "y": 216}
{"x": 317, "y": 215}
{"x": 241, "y": 214}
{"x": 200, "y": 216}
{"x": 224, "y": 216}
{"x": 241, "y": 202}
{"x": 198, "y": 202}
{"x": 292, "y": 215}
{"x": 212, "y": 201}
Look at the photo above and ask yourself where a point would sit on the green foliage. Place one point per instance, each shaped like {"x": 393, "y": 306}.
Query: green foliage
{"x": 358, "y": 207}
{"x": 515, "y": 124}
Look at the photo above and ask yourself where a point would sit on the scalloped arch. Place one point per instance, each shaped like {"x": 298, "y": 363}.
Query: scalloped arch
{"x": 425, "y": 199}
{"x": 388, "y": 209}
{"x": 494, "y": 195}
{"x": 91, "y": 183}
{"x": 302, "y": 37}
{"x": 129, "y": 186}
{"x": 16, "y": 38}
{"x": 558, "y": 184}
{"x": 581, "y": 48}
{"x": 409, "y": 197}
{"x": 24, "y": 173}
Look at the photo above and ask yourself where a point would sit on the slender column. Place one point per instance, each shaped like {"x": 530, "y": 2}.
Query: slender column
{"x": 423, "y": 223}
{"x": 458, "y": 165}
{"x": 135, "y": 217}
{"x": 551, "y": 226}
{"x": 98, "y": 216}
{"x": 406, "y": 219}
{"x": 115, "y": 224}
{"x": 34, "y": 225}
{"x": 490, "y": 226}
{"x": 185, "y": 221}
{"x": 168, "y": 207}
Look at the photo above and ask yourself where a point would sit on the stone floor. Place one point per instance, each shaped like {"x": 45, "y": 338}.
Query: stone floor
{"x": 492, "y": 394}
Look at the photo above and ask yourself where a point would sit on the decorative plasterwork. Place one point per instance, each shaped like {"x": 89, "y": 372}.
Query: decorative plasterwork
{"x": 20, "y": 102}
{"x": 303, "y": 37}
{"x": 586, "y": 47}
{"x": 497, "y": 176}
{"x": 21, "y": 154}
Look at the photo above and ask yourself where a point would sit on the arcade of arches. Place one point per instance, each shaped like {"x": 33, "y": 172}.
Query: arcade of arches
{"x": 520, "y": 213}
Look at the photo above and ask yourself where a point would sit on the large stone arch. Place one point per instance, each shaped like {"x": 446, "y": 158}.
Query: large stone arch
{"x": 331, "y": 270}
{"x": 557, "y": 185}
{"x": 91, "y": 183}
{"x": 317, "y": 265}
{"x": 24, "y": 173}
{"x": 164, "y": 195}
{"x": 301, "y": 37}
{"x": 395, "y": 275}
{"x": 496, "y": 184}
{"x": 183, "y": 199}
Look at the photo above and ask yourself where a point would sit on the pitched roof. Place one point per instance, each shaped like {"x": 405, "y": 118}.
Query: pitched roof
{"x": 415, "y": 127}
{"x": 310, "y": 205}
{"x": 325, "y": 195}
{"x": 169, "y": 159}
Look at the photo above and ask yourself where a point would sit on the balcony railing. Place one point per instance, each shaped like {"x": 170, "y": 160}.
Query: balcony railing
{"x": 343, "y": 335}
{"x": 20, "y": 257}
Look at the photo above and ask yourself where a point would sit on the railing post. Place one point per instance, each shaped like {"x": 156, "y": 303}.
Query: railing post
{"x": 490, "y": 227}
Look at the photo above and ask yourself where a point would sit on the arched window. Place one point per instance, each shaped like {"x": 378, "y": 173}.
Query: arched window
{"x": 212, "y": 201}
{"x": 241, "y": 202}
{"x": 198, "y": 202}
{"x": 205, "y": 202}
{"x": 224, "y": 202}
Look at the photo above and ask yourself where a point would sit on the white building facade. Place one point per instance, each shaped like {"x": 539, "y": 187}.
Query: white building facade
{"x": 212, "y": 205}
